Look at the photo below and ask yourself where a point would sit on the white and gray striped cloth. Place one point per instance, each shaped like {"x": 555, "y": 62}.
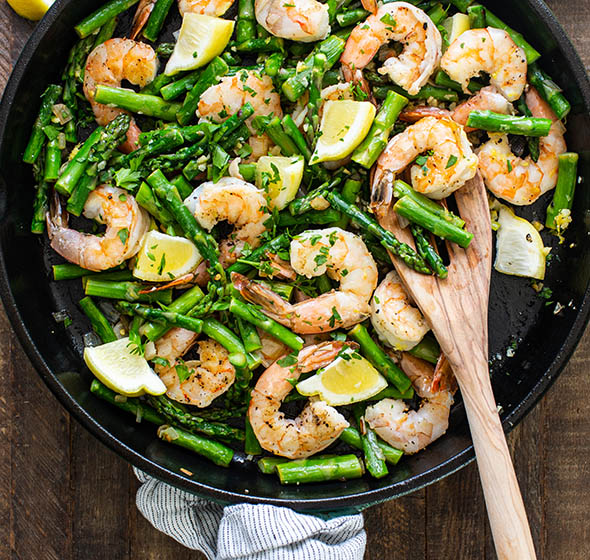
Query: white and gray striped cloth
{"x": 246, "y": 531}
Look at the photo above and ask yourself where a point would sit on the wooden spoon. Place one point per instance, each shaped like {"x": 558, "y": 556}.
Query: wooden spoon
{"x": 457, "y": 310}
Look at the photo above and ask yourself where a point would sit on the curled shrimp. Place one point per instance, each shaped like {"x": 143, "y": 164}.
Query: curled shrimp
{"x": 109, "y": 64}
{"x": 240, "y": 203}
{"x": 449, "y": 164}
{"x": 344, "y": 257}
{"x": 521, "y": 181}
{"x": 126, "y": 223}
{"x": 203, "y": 380}
{"x": 412, "y": 430}
{"x": 227, "y": 97}
{"x": 297, "y": 20}
{"x": 315, "y": 428}
{"x": 206, "y": 7}
{"x": 402, "y": 22}
{"x": 489, "y": 50}
{"x": 395, "y": 320}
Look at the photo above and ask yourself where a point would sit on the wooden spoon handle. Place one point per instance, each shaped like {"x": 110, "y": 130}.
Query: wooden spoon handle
{"x": 508, "y": 520}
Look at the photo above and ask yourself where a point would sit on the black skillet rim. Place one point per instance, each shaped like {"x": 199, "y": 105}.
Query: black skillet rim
{"x": 361, "y": 499}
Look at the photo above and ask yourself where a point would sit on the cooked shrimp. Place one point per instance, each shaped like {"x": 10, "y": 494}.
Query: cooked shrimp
{"x": 272, "y": 348}
{"x": 521, "y": 181}
{"x": 486, "y": 99}
{"x": 413, "y": 430}
{"x": 228, "y": 96}
{"x": 341, "y": 255}
{"x": 240, "y": 203}
{"x": 206, "y": 378}
{"x": 109, "y": 64}
{"x": 297, "y": 20}
{"x": 402, "y": 22}
{"x": 126, "y": 223}
{"x": 206, "y": 7}
{"x": 489, "y": 50}
{"x": 395, "y": 320}
{"x": 315, "y": 428}
{"x": 450, "y": 162}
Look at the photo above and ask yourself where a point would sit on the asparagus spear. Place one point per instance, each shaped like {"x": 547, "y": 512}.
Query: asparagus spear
{"x": 273, "y": 64}
{"x": 273, "y": 246}
{"x": 382, "y": 362}
{"x": 374, "y": 456}
{"x": 496, "y": 122}
{"x": 246, "y": 22}
{"x": 351, "y": 17}
{"x": 370, "y": 149}
{"x": 352, "y": 437}
{"x": 216, "y": 452}
{"x": 209, "y": 76}
{"x": 253, "y": 315}
{"x": 268, "y": 44}
{"x": 427, "y": 252}
{"x": 295, "y": 86}
{"x": 155, "y": 86}
{"x": 157, "y": 18}
{"x": 146, "y": 199}
{"x": 566, "y": 185}
{"x": 532, "y": 141}
{"x": 312, "y": 217}
{"x": 343, "y": 467}
{"x": 77, "y": 165}
{"x": 427, "y": 349}
{"x": 183, "y": 305}
{"x": 387, "y": 239}
{"x": 251, "y": 444}
{"x": 440, "y": 94}
{"x": 128, "y": 291}
{"x": 40, "y": 207}
{"x": 437, "y": 13}
{"x": 268, "y": 465}
{"x": 175, "y": 89}
{"x": 249, "y": 336}
{"x": 168, "y": 318}
{"x": 549, "y": 91}
{"x": 106, "y": 32}
{"x": 409, "y": 209}
{"x": 127, "y": 99}
{"x": 101, "y": 16}
{"x": 135, "y": 406}
{"x": 176, "y": 414}
{"x": 52, "y": 160}
{"x": 37, "y": 140}
{"x": 98, "y": 321}
{"x": 441, "y": 78}
{"x": 400, "y": 189}
{"x": 477, "y": 16}
{"x": 272, "y": 126}
{"x": 69, "y": 271}
{"x": 318, "y": 69}
{"x": 350, "y": 192}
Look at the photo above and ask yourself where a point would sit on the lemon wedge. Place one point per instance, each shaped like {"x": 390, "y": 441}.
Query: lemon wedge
{"x": 31, "y": 9}
{"x": 344, "y": 125}
{"x": 124, "y": 372}
{"x": 348, "y": 379}
{"x": 200, "y": 40}
{"x": 280, "y": 177}
{"x": 456, "y": 25}
{"x": 164, "y": 257}
{"x": 519, "y": 247}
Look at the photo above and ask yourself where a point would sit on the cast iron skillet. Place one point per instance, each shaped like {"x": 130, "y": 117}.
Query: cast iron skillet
{"x": 518, "y": 317}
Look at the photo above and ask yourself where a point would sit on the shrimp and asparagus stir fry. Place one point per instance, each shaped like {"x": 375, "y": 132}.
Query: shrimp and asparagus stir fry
{"x": 217, "y": 193}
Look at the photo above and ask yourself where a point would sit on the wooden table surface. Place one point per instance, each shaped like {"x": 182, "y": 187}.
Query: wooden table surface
{"x": 65, "y": 496}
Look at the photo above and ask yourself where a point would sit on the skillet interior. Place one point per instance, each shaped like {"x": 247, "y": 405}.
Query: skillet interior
{"x": 518, "y": 316}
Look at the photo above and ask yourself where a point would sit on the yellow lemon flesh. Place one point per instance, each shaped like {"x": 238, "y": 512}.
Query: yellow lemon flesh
{"x": 123, "y": 371}
{"x": 162, "y": 258}
{"x": 280, "y": 177}
{"x": 200, "y": 40}
{"x": 456, "y": 25}
{"x": 344, "y": 126}
{"x": 31, "y": 9}
{"x": 519, "y": 247}
{"x": 348, "y": 379}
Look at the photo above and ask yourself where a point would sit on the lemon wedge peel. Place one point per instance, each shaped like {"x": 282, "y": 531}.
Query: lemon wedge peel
{"x": 280, "y": 177}
{"x": 200, "y": 40}
{"x": 344, "y": 125}
{"x": 162, "y": 258}
{"x": 519, "y": 247}
{"x": 126, "y": 373}
{"x": 31, "y": 9}
{"x": 348, "y": 379}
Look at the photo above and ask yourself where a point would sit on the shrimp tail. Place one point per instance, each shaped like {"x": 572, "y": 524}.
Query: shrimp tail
{"x": 56, "y": 218}
{"x": 382, "y": 193}
{"x": 144, "y": 10}
{"x": 273, "y": 305}
{"x": 417, "y": 113}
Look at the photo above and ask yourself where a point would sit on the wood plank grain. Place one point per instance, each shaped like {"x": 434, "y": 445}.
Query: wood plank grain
{"x": 100, "y": 482}
{"x": 397, "y": 528}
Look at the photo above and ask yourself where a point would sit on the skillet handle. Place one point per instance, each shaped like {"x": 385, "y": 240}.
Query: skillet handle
{"x": 508, "y": 520}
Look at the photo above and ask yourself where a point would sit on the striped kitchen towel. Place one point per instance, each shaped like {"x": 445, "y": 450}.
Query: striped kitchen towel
{"x": 246, "y": 531}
